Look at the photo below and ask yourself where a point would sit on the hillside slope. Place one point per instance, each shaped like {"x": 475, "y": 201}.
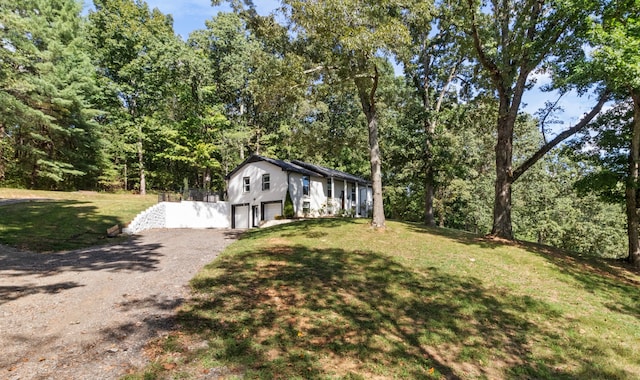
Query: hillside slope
{"x": 335, "y": 299}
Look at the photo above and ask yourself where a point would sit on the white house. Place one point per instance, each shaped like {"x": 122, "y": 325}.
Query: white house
{"x": 257, "y": 189}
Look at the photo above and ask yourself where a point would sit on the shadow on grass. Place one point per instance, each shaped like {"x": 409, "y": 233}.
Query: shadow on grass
{"x": 48, "y": 226}
{"x": 463, "y": 237}
{"x": 307, "y": 228}
{"x": 614, "y": 279}
{"x": 292, "y": 311}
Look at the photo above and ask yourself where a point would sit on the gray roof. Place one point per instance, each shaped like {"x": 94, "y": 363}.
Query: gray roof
{"x": 303, "y": 168}
{"x": 286, "y": 166}
{"x": 327, "y": 172}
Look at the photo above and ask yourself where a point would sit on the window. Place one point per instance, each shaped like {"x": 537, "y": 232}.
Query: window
{"x": 266, "y": 182}
{"x": 353, "y": 193}
{"x": 306, "y": 208}
{"x": 247, "y": 184}
{"x": 305, "y": 185}
{"x": 329, "y": 183}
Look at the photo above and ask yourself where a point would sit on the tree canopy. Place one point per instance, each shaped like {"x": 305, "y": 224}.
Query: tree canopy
{"x": 424, "y": 98}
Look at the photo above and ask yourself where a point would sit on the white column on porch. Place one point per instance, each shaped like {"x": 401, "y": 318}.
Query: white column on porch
{"x": 369, "y": 205}
{"x": 333, "y": 195}
{"x": 357, "y": 200}
{"x": 347, "y": 197}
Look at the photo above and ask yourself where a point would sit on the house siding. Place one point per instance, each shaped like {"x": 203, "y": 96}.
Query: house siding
{"x": 283, "y": 176}
{"x": 338, "y": 188}
{"x": 256, "y": 196}
{"x": 317, "y": 194}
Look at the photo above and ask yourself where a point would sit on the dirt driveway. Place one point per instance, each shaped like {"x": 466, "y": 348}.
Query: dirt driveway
{"x": 87, "y": 314}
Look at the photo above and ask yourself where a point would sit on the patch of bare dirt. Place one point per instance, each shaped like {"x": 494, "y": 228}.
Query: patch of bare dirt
{"x": 87, "y": 314}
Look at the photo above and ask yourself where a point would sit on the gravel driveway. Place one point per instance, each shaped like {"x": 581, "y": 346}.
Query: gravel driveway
{"x": 87, "y": 314}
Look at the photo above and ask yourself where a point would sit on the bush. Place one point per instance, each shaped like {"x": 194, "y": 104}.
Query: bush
{"x": 288, "y": 206}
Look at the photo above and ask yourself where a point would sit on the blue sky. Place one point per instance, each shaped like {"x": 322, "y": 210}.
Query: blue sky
{"x": 189, "y": 15}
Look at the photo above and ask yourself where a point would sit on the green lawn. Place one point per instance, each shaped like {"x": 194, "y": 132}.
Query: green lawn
{"x": 65, "y": 220}
{"x": 333, "y": 299}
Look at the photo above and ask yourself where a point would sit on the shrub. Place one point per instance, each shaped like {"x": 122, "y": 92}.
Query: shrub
{"x": 288, "y": 206}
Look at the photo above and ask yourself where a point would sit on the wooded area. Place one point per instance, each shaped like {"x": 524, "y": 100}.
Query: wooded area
{"x": 115, "y": 100}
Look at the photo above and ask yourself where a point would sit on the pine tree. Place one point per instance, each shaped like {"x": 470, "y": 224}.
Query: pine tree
{"x": 47, "y": 82}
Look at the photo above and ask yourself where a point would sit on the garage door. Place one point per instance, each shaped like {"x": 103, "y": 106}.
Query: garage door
{"x": 271, "y": 210}
{"x": 240, "y": 216}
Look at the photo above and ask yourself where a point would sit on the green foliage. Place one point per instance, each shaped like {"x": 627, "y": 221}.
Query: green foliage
{"x": 142, "y": 63}
{"x": 258, "y": 80}
{"x": 616, "y": 41}
{"x": 548, "y": 210}
{"x": 47, "y": 136}
{"x": 461, "y": 148}
{"x": 604, "y": 152}
{"x": 288, "y": 206}
{"x": 166, "y": 110}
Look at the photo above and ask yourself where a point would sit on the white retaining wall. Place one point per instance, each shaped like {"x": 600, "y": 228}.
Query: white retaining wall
{"x": 188, "y": 214}
{"x": 153, "y": 217}
{"x": 185, "y": 214}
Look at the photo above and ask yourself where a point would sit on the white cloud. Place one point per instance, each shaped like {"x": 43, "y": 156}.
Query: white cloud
{"x": 540, "y": 78}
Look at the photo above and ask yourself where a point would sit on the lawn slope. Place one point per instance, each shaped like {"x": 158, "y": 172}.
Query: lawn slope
{"x": 332, "y": 299}
{"x": 56, "y": 221}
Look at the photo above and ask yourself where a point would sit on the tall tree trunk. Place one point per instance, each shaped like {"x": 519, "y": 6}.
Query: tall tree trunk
{"x": 143, "y": 181}
{"x": 504, "y": 152}
{"x": 631, "y": 191}
{"x": 3, "y": 159}
{"x": 429, "y": 218}
{"x": 367, "y": 87}
{"x": 429, "y": 175}
{"x": 430, "y": 131}
{"x": 133, "y": 111}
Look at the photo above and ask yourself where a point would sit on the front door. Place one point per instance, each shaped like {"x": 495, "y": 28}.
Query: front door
{"x": 255, "y": 217}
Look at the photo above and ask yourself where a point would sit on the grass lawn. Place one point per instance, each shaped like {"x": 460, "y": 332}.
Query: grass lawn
{"x": 65, "y": 220}
{"x": 333, "y": 299}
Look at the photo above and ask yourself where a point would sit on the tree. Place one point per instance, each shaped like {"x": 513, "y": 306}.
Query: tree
{"x": 512, "y": 39}
{"x": 550, "y": 210}
{"x": 47, "y": 83}
{"x": 614, "y": 142}
{"x": 432, "y": 63}
{"x": 348, "y": 36}
{"x": 617, "y": 40}
{"x": 257, "y": 78}
{"x": 228, "y": 48}
{"x": 138, "y": 53}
